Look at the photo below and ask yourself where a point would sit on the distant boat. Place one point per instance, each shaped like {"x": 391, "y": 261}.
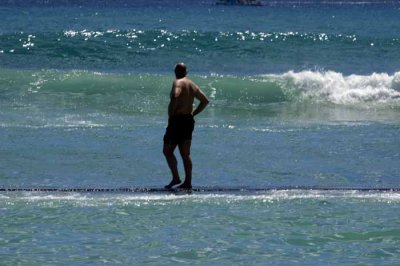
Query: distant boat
{"x": 240, "y": 2}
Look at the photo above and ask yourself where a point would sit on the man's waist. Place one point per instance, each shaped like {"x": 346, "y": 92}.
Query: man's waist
{"x": 181, "y": 117}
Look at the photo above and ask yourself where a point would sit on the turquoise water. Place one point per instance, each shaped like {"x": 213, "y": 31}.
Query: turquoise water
{"x": 300, "y": 95}
{"x": 276, "y": 228}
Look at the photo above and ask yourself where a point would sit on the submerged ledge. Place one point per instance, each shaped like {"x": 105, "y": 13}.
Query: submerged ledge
{"x": 195, "y": 189}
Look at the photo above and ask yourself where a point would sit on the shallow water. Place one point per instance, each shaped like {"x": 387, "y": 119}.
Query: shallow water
{"x": 281, "y": 227}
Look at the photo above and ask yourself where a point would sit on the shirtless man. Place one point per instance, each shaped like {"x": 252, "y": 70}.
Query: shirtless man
{"x": 181, "y": 124}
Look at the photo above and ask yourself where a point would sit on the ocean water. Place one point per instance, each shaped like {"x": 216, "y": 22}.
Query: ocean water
{"x": 302, "y": 93}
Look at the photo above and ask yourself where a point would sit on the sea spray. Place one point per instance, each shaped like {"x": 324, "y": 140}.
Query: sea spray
{"x": 336, "y": 88}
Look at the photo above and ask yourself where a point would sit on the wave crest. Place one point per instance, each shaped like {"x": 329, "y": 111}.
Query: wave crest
{"x": 336, "y": 88}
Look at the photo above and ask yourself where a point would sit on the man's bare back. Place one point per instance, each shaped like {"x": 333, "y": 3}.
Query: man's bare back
{"x": 182, "y": 96}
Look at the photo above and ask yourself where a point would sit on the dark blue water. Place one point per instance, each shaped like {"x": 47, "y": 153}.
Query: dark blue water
{"x": 143, "y": 37}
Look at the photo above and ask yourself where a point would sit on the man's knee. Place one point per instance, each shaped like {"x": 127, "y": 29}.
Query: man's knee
{"x": 168, "y": 151}
{"x": 185, "y": 154}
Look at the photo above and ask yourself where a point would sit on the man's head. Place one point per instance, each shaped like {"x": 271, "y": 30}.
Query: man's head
{"x": 180, "y": 70}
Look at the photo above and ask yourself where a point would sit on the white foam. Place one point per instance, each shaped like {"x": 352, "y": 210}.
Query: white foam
{"x": 138, "y": 199}
{"x": 337, "y": 88}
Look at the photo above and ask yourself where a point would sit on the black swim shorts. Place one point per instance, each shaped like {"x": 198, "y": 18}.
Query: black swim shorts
{"x": 180, "y": 129}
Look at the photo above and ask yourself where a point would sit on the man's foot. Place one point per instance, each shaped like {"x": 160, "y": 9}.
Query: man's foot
{"x": 185, "y": 186}
{"x": 173, "y": 183}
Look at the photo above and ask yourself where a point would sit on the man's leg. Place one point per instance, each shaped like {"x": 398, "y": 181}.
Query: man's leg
{"x": 184, "y": 149}
{"x": 168, "y": 151}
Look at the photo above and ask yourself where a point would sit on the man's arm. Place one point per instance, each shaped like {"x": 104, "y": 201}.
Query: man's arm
{"x": 203, "y": 102}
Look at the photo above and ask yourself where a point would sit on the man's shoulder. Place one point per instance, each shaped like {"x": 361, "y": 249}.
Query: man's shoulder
{"x": 185, "y": 82}
{"x": 184, "y": 79}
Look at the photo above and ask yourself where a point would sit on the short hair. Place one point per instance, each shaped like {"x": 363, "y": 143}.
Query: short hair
{"x": 180, "y": 70}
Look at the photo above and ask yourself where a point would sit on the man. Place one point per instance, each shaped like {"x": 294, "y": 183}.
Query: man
{"x": 181, "y": 124}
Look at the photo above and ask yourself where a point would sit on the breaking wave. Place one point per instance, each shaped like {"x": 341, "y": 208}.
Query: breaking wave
{"x": 337, "y": 88}
{"x": 148, "y": 93}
